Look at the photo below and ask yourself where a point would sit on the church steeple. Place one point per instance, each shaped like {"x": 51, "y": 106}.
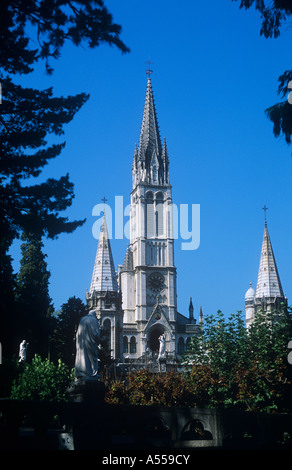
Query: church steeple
{"x": 268, "y": 284}
{"x": 269, "y": 294}
{"x": 150, "y": 162}
{"x": 104, "y": 275}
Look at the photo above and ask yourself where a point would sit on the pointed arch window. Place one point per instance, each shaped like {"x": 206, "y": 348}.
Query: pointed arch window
{"x": 133, "y": 345}
{"x": 125, "y": 345}
{"x": 107, "y": 333}
{"x": 149, "y": 225}
{"x": 181, "y": 346}
{"x": 159, "y": 214}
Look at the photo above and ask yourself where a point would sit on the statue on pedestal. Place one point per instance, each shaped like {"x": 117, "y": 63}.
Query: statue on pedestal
{"x": 22, "y": 351}
{"x": 87, "y": 338}
{"x": 161, "y": 353}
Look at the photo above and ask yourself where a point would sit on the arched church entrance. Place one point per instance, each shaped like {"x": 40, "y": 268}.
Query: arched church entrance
{"x": 153, "y": 337}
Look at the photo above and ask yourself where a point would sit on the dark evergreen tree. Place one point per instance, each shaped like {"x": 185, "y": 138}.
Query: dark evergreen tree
{"x": 273, "y": 14}
{"x": 104, "y": 352}
{"x": 82, "y": 22}
{"x": 31, "y": 32}
{"x": 35, "y": 321}
{"x": 28, "y": 116}
{"x": 63, "y": 342}
{"x": 7, "y": 301}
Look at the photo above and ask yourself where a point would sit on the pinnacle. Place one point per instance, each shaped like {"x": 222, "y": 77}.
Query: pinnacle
{"x": 104, "y": 275}
{"x": 268, "y": 284}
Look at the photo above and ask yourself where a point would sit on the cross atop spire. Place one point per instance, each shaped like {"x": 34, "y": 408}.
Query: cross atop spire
{"x": 149, "y": 71}
{"x": 104, "y": 200}
{"x": 265, "y": 211}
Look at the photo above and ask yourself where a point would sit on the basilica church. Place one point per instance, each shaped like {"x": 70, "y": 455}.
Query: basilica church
{"x": 138, "y": 305}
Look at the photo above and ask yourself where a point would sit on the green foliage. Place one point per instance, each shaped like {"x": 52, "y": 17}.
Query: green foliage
{"x": 146, "y": 388}
{"x": 42, "y": 380}
{"x": 230, "y": 366}
{"x": 227, "y": 367}
{"x": 224, "y": 343}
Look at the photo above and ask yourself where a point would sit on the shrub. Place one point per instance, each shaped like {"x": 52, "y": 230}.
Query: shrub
{"x": 146, "y": 388}
{"x": 42, "y": 380}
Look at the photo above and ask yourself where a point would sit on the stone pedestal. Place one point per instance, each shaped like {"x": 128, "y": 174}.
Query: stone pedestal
{"x": 86, "y": 391}
{"x": 162, "y": 363}
{"x": 87, "y": 415}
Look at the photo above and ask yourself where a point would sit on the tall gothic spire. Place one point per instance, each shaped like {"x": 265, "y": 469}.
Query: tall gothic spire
{"x": 150, "y": 162}
{"x": 104, "y": 275}
{"x": 268, "y": 284}
{"x": 149, "y": 136}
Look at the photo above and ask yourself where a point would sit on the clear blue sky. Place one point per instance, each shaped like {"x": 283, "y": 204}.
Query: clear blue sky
{"x": 214, "y": 76}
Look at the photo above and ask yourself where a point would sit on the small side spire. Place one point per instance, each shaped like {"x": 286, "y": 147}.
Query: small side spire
{"x": 268, "y": 283}
{"x": 191, "y": 311}
{"x": 201, "y": 315}
{"x": 104, "y": 276}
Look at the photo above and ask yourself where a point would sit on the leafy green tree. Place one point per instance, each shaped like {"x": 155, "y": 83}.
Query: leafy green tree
{"x": 35, "y": 321}
{"x": 146, "y": 388}
{"x": 269, "y": 334}
{"x": 229, "y": 366}
{"x": 42, "y": 380}
{"x": 219, "y": 343}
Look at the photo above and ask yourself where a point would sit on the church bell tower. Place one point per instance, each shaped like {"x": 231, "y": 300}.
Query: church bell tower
{"x": 148, "y": 275}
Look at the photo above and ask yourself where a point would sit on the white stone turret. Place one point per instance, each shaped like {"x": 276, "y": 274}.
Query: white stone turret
{"x": 269, "y": 293}
{"x": 104, "y": 296}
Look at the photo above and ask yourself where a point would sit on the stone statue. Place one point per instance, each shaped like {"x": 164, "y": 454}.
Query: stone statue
{"x": 87, "y": 338}
{"x": 161, "y": 346}
{"x": 22, "y": 351}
